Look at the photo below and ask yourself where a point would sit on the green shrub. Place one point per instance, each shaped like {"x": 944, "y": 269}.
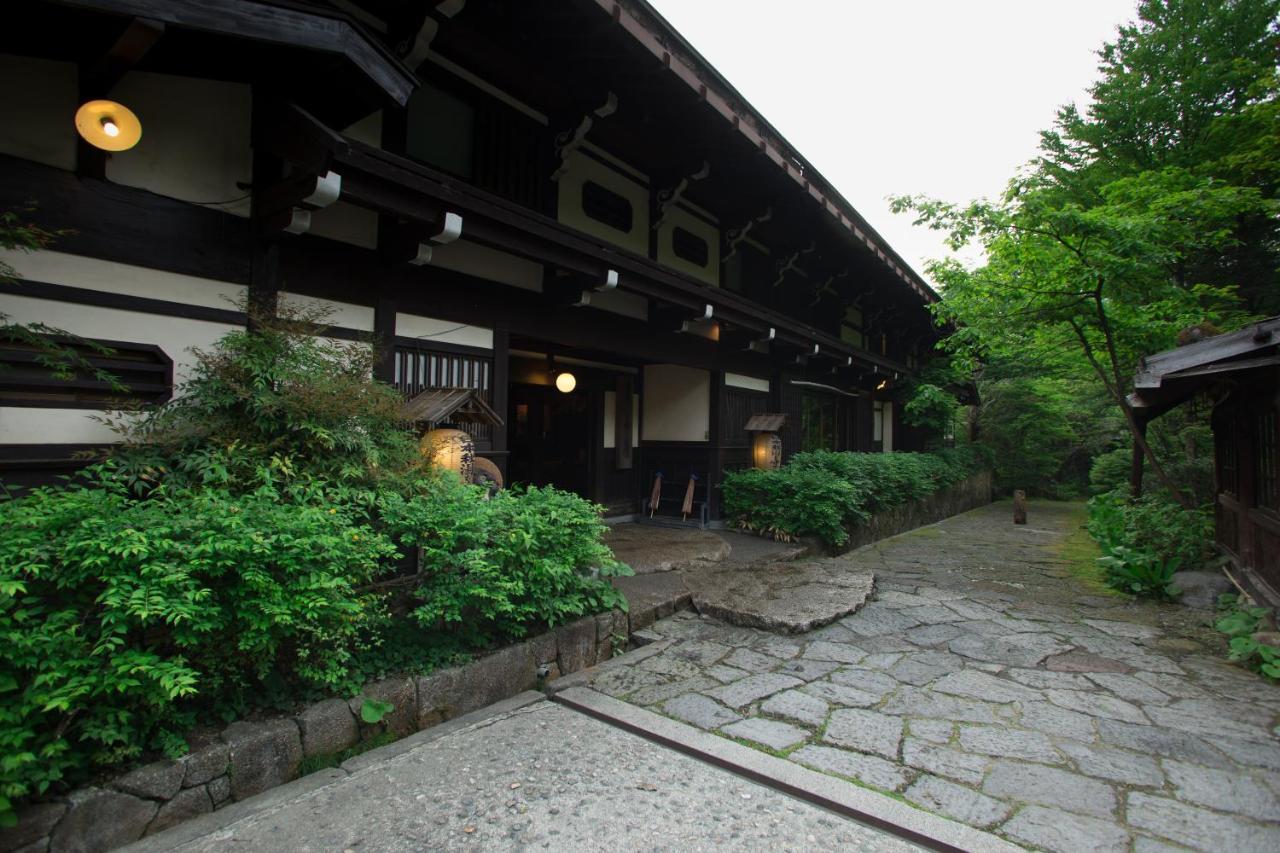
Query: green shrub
{"x": 245, "y": 549}
{"x": 823, "y": 493}
{"x": 1241, "y": 623}
{"x": 494, "y": 568}
{"x": 1145, "y": 542}
{"x": 116, "y": 613}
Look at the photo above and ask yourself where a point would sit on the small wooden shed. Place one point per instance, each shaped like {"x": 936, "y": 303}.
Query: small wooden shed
{"x": 1240, "y": 373}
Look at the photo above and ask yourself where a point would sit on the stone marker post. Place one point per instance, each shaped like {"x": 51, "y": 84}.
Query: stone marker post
{"x": 1019, "y": 506}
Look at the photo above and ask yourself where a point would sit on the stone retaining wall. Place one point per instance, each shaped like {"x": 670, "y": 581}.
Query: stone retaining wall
{"x": 248, "y": 758}
{"x": 961, "y": 497}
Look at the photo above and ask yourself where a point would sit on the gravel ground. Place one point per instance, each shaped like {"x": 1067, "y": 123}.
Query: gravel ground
{"x": 543, "y": 777}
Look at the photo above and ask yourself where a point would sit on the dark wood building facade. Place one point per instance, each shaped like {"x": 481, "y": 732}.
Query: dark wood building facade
{"x": 1240, "y": 374}
{"x": 494, "y": 192}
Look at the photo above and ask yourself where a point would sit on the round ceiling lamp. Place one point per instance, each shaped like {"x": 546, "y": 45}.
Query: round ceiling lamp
{"x": 108, "y": 125}
{"x": 566, "y": 382}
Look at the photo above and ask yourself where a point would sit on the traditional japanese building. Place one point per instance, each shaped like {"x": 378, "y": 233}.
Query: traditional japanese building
{"x": 1238, "y": 374}
{"x": 556, "y": 203}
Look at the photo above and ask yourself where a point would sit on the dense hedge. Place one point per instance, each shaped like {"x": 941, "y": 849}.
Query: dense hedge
{"x": 823, "y": 493}
{"x": 1145, "y": 542}
{"x": 250, "y": 546}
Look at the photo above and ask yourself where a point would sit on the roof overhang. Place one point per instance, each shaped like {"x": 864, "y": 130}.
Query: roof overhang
{"x": 316, "y": 29}
{"x": 438, "y": 204}
{"x": 1168, "y": 378}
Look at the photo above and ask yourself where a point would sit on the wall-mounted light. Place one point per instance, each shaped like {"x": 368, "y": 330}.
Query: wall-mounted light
{"x": 884, "y": 383}
{"x": 766, "y": 450}
{"x": 108, "y": 125}
{"x": 566, "y": 382}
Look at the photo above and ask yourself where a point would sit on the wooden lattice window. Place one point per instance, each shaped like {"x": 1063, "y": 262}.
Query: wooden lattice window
{"x": 1266, "y": 493}
{"x": 134, "y": 373}
{"x": 1228, "y": 455}
{"x": 418, "y": 369}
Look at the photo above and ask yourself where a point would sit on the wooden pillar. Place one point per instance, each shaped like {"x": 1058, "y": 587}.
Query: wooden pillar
{"x": 264, "y": 263}
{"x": 501, "y": 390}
{"x": 715, "y": 460}
{"x": 1136, "y": 461}
{"x": 384, "y": 334}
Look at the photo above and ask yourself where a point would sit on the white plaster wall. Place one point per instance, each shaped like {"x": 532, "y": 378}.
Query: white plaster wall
{"x": 346, "y": 223}
{"x": 195, "y": 139}
{"x": 677, "y": 217}
{"x": 38, "y": 106}
{"x": 490, "y": 264}
{"x": 677, "y": 403}
{"x": 430, "y": 329}
{"x": 111, "y": 277}
{"x": 20, "y": 425}
{"x": 582, "y": 169}
{"x": 367, "y": 130}
{"x": 343, "y": 314}
{"x": 173, "y": 334}
{"x": 611, "y": 418}
{"x": 750, "y": 383}
{"x": 620, "y": 302}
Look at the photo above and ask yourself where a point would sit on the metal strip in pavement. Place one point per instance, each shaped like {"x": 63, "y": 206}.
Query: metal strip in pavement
{"x": 837, "y": 795}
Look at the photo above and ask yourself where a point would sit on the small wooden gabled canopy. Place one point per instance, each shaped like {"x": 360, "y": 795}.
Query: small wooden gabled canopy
{"x": 449, "y": 405}
{"x": 1168, "y": 378}
{"x": 765, "y": 423}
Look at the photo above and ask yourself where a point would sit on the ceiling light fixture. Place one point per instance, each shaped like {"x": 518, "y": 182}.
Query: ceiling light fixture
{"x": 108, "y": 125}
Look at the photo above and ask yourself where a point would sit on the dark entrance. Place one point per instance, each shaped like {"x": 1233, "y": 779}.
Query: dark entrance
{"x": 550, "y": 436}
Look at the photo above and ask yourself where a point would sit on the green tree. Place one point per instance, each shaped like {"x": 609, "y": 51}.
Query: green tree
{"x": 1138, "y": 218}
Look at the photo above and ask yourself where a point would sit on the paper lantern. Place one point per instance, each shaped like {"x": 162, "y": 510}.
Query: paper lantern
{"x": 566, "y": 382}
{"x": 766, "y": 450}
{"x": 451, "y": 449}
{"x": 108, "y": 125}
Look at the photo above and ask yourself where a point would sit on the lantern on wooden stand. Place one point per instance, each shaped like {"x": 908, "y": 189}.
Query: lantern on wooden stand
{"x": 766, "y": 444}
{"x": 452, "y": 449}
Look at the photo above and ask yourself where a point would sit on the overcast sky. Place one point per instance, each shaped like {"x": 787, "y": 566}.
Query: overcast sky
{"x": 941, "y": 97}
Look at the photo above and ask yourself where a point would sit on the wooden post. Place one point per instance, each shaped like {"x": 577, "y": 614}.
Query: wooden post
{"x": 1135, "y": 465}
{"x": 1019, "y": 506}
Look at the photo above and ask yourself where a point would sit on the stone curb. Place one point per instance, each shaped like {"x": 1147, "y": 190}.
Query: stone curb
{"x": 583, "y": 677}
{"x": 279, "y": 796}
{"x": 843, "y": 798}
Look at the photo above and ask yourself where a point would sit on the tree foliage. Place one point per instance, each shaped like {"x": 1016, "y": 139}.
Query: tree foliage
{"x": 1153, "y": 211}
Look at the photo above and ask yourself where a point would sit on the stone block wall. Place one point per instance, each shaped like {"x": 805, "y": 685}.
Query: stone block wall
{"x": 247, "y": 758}
{"x": 961, "y": 497}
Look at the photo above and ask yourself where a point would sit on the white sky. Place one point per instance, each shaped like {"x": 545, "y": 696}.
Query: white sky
{"x": 940, "y": 97}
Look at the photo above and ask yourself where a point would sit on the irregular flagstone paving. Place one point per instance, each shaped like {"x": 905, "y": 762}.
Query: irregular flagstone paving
{"x": 986, "y": 683}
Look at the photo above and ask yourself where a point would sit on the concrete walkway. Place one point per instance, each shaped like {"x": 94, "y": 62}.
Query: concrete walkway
{"x": 987, "y": 683}
{"x": 526, "y": 774}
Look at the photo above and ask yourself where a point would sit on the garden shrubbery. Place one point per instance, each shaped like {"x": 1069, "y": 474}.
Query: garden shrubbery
{"x": 247, "y": 547}
{"x": 1145, "y": 542}
{"x": 822, "y": 493}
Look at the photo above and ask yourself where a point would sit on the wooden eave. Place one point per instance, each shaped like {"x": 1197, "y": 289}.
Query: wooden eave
{"x": 449, "y": 405}
{"x": 400, "y": 187}
{"x": 1167, "y": 378}
{"x": 323, "y": 30}
{"x": 650, "y": 30}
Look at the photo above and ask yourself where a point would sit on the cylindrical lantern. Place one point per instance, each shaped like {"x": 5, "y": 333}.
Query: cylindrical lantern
{"x": 452, "y": 449}
{"x": 766, "y": 450}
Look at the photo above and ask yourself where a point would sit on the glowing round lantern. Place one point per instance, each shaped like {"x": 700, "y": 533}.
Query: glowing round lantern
{"x": 108, "y": 125}
{"x": 452, "y": 449}
{"x": 566, "y": 382}
{"x": 766, "y": 450}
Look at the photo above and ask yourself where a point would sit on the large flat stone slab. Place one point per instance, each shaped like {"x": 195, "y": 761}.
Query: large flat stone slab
{"x": 649, "y": 548}
{"x": 786, "y": 597}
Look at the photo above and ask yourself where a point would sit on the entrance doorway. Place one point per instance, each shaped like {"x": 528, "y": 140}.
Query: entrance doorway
{"x": 550, "y": 438}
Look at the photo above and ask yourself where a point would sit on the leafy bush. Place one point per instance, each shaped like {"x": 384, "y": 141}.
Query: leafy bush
{"x": 113, "y": 611}
{"x": 244, "y": 548}
{"x": 1241, "y": 623}
{"x": 1146, "y": 541}
{"x": 493, "y": 568}
{"x": 823, "y": 493}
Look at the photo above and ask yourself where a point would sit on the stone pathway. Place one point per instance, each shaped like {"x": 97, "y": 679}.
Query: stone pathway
{"x": 986, "y": 683}
{"x": 540, "y": 777}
